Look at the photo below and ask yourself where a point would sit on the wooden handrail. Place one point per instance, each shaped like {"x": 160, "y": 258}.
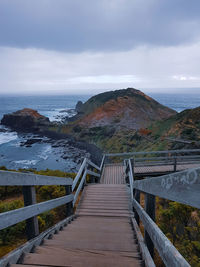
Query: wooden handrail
{"x": 167, "y": 251}
{"x": 131, "y": 178}
{"x": 9, "y": 178}
{"x": 152, "y": 152}
{"x": 79, "y": 187}
{"x": 32, "y": 209}
{"x": 102, "y": 162}
{"x": 79, "y": 173}
{"x": 12, "y": 217}
{"x": 183, "y": 187}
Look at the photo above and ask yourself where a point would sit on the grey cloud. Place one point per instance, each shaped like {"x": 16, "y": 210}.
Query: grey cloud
{"x": 105, "y": 25}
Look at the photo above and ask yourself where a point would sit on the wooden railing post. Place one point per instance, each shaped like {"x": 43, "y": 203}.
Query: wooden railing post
{"x": 93, "y": 178}
{"x": 175, "y": 163}
{"x": 132, "y": 164}
{"x": 32, "y": 228}
{"x": 150, "y": 210}
{"x": 127, "y": 172}
{"x": 69, "y": 206}
{"x": 85, "y": 182}
{"x": 137, "y": 198}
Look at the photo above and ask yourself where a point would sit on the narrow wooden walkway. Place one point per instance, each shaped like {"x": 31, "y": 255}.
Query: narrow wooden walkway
{"x": 113, "y": 174}
{"x": 161, "y": 169}
{"x": 100, "y": 236}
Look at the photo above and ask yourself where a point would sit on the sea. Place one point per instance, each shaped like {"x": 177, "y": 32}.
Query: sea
{"x": 44, "y": 154}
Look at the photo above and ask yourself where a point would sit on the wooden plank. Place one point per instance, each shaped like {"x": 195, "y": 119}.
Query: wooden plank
{"x": 50, "y": 250}
{"x": 93, "y": 173}
{"x": 83, "y": 207}
{"x": 10, "y": 218}
{"x": 166, "y": 250}
{"x": 82, "y": 213}
{"x": 180, "y": 151}
{"x": 150, "y": 210}
{"x": 113, "y": 174}
{"x": 102, "y": 162}
{"x": 79, "y": 187}
{"x": 93, "y": 165}
{"x": 9, "y": 178}
{"x": 183, "y": 187}
{"x": 146, "y": 256}
{"x": 108, "y": 245}
{"x": 79, "y": 174}
{"x": 98, "y": 236}
{"x": 32, "y": 227}
{"x": 14, "y": 256}
{"x": 97, "y": 260}
{"x": 24, "y": 265}
{"x": 101, "y": 228}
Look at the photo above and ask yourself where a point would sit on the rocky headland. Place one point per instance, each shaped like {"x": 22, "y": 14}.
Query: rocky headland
{"x": 129, "y": 108}
{"x": 115, "y": 121}
{"x": 26, "y": 120}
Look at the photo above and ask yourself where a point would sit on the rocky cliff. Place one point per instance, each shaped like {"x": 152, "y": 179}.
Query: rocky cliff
{"x": 129, "y": 108}
{"x": 25, "y": 120}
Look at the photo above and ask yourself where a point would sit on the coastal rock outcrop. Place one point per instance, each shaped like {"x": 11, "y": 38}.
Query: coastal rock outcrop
{"x": 25, "y": 120}
{"x": 129, "y": 108}
{"x": 79, "y": 106}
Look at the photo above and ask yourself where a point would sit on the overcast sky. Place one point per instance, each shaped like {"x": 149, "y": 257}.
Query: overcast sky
{"x": 76, "y": 46}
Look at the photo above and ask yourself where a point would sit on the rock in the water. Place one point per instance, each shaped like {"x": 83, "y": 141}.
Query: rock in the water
{"x": 79, "y": 106}
{"x": 26, "y": 120}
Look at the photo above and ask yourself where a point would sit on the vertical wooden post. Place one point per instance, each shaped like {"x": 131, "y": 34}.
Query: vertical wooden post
{"x": 137, "y": 198}
{"x": 150, "y": 210}
{"x": 69, "y": 206}
{"x": 126, "y": 172}
{"x": 32, "y": 228}
{"x": 132, "y": 164}
{"x": 85, "y": 182}
{"x": 175, "y": 163}
{"x": 93, "y": 178}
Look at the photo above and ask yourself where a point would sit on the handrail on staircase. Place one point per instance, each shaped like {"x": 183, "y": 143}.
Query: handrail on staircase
{"x": 31, "y": 209}
{"x": 183, "y": 187}
{"x": 87, "y": 167}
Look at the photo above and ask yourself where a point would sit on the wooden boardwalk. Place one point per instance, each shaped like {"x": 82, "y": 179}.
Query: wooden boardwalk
{"x": 113, "y": 174}
{"x": 101, "y": 235}
{"x": 161, "y": 169}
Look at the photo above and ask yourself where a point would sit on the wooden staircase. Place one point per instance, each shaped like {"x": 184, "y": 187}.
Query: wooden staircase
{"x": 101, "y": 235}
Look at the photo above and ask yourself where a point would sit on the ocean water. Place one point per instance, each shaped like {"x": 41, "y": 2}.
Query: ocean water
{"x": 178, "y": 102}
{"x": 44, "y": 155}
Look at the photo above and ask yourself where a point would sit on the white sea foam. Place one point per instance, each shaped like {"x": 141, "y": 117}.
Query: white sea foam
{"x": 26, "y": 162}
{"x": 45, "y": 153}
{"x": 6, "y": 137}
{"x": 59, "y": 113}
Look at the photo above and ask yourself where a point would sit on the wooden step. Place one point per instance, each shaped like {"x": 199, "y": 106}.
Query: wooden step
{"x": 72, "y": 259}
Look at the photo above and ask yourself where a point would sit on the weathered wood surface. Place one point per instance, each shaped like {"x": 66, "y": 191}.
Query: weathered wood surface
{"x": 32, "y": 227}
{"x": 29, "y": 246}
{"x": 100, "y": 236}
{"x": 143, "y": 248}
{"x": 110, "y": 200}
{"x": 166, "y": 250}
{"x": 162, "y": 169}
{"x": 183, "y": 187}
{"x": 113, "y": 174}
{"x": 180, "y": 151}
{"x": 28, "y": 179}
{"x": 12, "y": 217}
